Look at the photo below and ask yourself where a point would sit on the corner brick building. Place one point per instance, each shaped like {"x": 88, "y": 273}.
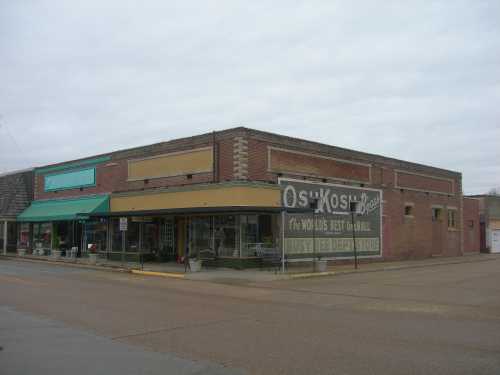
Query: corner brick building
{"x": 224, "y": 192}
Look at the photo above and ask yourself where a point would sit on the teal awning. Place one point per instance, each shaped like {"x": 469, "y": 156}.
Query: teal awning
{"x": 65, "y": 209}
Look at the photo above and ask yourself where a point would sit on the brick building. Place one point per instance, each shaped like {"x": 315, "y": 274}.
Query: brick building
{"x": 238, "y": 191}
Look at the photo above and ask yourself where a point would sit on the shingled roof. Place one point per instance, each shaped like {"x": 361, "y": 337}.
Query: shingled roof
{"x": 16, "y": 193}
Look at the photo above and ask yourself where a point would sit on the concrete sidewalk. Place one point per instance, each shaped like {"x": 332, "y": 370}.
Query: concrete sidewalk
{"x": 232, "y": 276}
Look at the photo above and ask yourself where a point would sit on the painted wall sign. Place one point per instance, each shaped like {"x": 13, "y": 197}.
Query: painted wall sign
{"x": 70, "y": 180}
{"x": 331, "y": 224}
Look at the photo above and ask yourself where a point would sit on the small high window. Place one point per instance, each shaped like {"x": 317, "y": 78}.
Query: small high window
{"x": 436, "y": 214}
{"x": 452, "y": 218}
{"x": 408, "y": 209}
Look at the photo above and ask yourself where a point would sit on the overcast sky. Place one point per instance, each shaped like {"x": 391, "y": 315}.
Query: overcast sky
{"x": 418, "y": 81}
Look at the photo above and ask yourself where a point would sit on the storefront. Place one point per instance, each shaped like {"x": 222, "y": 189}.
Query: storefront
{"x": 227, "y": 220}
{"x": 171, "y": 237}
{"x": 62, "y": 224}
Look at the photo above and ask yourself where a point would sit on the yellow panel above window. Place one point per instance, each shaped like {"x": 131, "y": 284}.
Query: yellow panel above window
{"x": 194, "y": 161}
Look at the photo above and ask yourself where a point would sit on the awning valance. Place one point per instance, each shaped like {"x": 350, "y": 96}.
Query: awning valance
{"x": 65, "y": 209}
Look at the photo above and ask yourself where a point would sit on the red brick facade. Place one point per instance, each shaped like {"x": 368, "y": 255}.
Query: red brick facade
{"x": 471, "y": 225}
{"x": 258, "y": 156}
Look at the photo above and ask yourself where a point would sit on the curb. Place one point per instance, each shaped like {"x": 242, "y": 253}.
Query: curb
{"x": 158, "y": 274}
{"x": 68, "y": 264}
{"x": 383, "y": 269}
{"x": 312, "y": 274}
{"x": 97, "y": 267}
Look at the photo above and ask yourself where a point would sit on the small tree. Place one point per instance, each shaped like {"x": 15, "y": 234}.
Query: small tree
{"x": 494, "y": 191}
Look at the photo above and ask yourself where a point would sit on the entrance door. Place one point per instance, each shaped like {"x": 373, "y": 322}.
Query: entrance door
{"x": 167, "y": 240}
{"x": 495, "y": 240}
{"x": 482, "y": 237}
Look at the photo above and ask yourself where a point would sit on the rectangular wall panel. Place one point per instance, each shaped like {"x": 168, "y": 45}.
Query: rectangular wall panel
{"x": 70, "y": 180}
{"x": 173, "y": 164}
{"x": 305, "y": 164}
{"x": 425, "y": 183}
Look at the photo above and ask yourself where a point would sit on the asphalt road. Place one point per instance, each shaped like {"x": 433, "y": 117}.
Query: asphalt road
{"x": 440, "y": 320}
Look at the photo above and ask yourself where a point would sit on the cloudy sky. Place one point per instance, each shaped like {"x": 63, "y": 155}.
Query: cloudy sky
{"x": 418, "y": 80}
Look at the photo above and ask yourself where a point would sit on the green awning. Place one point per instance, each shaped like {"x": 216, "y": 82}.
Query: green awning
{"x": 65, "y": 209}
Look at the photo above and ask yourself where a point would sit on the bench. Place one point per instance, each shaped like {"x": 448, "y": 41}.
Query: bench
{"x": 271, "y": 257}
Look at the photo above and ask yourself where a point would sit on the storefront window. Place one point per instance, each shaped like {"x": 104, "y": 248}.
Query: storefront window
{"x": 42, "y": 235}
{"x": 226, "y": 236}
{"x": 249, "y": 235}
{"x": 150, "y": 237}
{"x": 200, "y": 234}
{"x": 116, "y": 235}
{"x": 132, "y": 236}
{"x": 23, "y": 236}
{"x": 96, "y": 235}
{"x": 63, "y": 234}
{"x": 267, "y": 229}
{"x": 257, "y": 231}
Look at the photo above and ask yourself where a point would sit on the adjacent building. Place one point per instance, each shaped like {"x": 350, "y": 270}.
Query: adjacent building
{"x": 16, "y": 193}
{"x": 489, "y": 208}
{"x": 238, "y": 191}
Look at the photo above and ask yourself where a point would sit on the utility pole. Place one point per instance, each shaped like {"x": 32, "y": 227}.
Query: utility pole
{"x": 353, "y": 206}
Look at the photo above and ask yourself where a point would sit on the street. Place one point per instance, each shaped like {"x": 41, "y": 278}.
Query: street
{"x": 442, "y": 319}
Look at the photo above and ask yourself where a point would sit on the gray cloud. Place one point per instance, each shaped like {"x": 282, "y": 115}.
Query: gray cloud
{"x": 415, "y": 80}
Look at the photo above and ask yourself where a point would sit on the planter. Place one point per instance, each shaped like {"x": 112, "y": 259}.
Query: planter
{"x": 92, "y": 258}
{"x": 56, "y": 254}
{"x": 195, "y": 265}
{"x": 71, "y": 254}
{"x": 320, "y": 265}
{"x": 21, "y": 252}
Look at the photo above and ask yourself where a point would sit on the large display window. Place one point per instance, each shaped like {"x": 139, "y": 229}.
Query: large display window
{"x": 257, "y": 232}
{"x": 42, "y": 235}
{"x": 116, "y": 235}
{"x": 151, "y": 237}
{"x": 96, "y": 235}
{"x": 132, "y": 237}
{"x": 200, "y": 234}
{"x": 226, "y": 236}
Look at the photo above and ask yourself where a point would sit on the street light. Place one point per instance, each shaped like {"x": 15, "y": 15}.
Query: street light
{"x": 313, "y": 205}
{"x": 353, "y": 207}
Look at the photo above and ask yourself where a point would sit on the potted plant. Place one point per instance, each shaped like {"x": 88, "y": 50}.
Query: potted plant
{"x": 92, "y": 253}
{"x": 195, "y": 262}
{"x": 56, "y": 252}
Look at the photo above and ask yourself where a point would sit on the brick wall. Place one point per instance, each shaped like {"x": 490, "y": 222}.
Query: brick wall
{"x": 403, "y": 237}
{"x": 243, "y": 154}
{"x": 111, "y": 176}
{"x": 471, "y": 228}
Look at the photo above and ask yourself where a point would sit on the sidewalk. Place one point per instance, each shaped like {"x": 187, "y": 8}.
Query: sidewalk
{"x": 306, "y": 271}
{"x": 232, "y": 276}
